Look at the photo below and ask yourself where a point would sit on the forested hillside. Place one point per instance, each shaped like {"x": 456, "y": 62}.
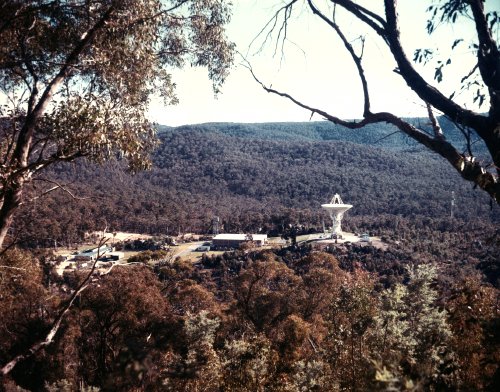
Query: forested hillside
{"x": 254, "y": 177}
{"x": 420, "y": 315}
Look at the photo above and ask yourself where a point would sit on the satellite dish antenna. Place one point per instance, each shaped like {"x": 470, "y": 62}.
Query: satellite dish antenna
{"x": 336, "y": 209}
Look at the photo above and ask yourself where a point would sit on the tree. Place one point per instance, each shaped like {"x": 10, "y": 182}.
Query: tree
{"x": 349, "y": 321}
{"x": 199, "y": 368}
{"x": 411, "y": 333}
{"x": 77, "y": 76}
{"x": 26, "y": 306}
{"x": 472, "y": 319}
{"x": 120, "y": 322}
{"x": 394, "y": 339}
{"x": 483, "y": 78}
{"x": 267, "y": 292}
{"x": 249, "y": 363}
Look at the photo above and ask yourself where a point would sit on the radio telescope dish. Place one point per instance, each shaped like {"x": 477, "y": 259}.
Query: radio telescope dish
{"x": 336, "y": 209}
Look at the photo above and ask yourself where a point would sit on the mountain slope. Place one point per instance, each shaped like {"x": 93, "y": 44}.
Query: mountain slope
{"x": 252, "y": 180}
{"x": 380, "y": 135}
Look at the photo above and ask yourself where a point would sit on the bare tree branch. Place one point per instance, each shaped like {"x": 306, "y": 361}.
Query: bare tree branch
{"x": 11, "y": 244}
{"x": 468, "y": 168}
{"x": 418, "y": 84}
{"x": 376, "y": 22}
{"x": 354, "y": 56}
{"x": 470, "y": 73}
{"x": 467, "y": 136}
{"x": 438, "y": 132}
{"x": 14, "y": 268}
{"x": 35, "y": 167}
{"x": 325, "y": 115}
{"x": 273, "y": 22}
{"x": 386, "y": 136}
{"x": 388, "y": 29}
{"x": 57, "y": 186}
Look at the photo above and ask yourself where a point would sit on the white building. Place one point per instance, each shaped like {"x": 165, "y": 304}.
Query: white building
{"x": 92, "y": 254}
{"x": 234, "y": 240}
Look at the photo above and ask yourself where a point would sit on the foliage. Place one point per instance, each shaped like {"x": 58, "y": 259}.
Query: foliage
{"x": 413, "y": 332}
{"x": 147, "y": 256}
{"x": 66, "y": 386}
{"x": 118, "y": 323}
{"x": 472, "y": 312}
{"x": 78, "y": 77}
{"x": 286, "y": 320}
{"x": 26, "y": 306}
{"x": 248, "y": 363}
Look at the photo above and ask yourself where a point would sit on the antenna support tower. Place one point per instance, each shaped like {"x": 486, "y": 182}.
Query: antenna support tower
{"x": 336, "y": 209}
{"x": 215, "y": 225}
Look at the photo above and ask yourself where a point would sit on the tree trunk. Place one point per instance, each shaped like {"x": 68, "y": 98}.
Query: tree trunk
{"x": 13, "y": 188}
{"x": 493, "y": 144}
{"x": 11, "y": 201}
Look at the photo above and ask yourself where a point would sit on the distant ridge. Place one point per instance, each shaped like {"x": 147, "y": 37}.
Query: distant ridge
{"x": 380, "y": 135}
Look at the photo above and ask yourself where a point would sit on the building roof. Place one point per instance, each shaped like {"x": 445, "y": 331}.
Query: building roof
{"x": 93, "y": 252}
{"x": 240, "y": 237}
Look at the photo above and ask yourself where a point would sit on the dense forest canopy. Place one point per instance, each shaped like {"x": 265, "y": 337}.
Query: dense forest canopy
{"x": 284, "y": 320}
{"x": 256, "y": 177}
{"x": 384, "y": 136}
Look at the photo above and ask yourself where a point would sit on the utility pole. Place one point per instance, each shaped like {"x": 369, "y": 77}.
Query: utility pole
{"x": 215, "y": 225}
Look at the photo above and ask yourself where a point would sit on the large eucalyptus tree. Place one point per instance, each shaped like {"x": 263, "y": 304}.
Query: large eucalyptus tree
{"x": 481, "y": 82}
{"x": 76, "y": 77}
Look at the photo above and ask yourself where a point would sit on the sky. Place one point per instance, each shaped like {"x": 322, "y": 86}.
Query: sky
{"x": 315, "y": 68}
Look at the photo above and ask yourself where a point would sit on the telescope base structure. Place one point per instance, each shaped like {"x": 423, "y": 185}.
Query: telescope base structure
{"x": 336, "y": 213}
{"x": 336, "y": 209}
{"x": 337, "y": 223}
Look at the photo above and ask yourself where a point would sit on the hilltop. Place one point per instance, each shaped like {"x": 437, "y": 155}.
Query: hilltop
{"x": 380, "y": 135}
